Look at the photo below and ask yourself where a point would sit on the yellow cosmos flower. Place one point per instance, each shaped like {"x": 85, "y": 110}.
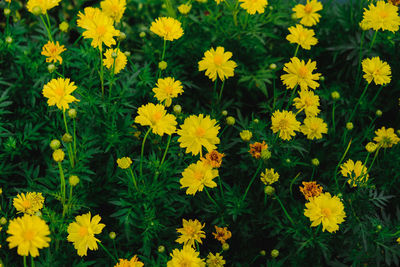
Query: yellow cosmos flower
{"x": 327, "y": 210}
{"x": 52, "y": 52}
{"x": 185, "y": 257}
{"x": 382, "y": 16}
{"x": 269, "y": 176}
{"x": 386, "y": 137}
{"x": 58, "y": 155}
{"x": 124, "y": 163}
{"x": 191, "y": 232}
{"x": 308, "y": 101}
{"x": 29, "y": 234}
{"x": 43, "y": 4}
{"x": 253, "y": 6}
{"x": 302, "y": 36}
{"x": 246, "y": 135}
{"x": 215, "y": 260}
{"x": 82, "y": 231}
{"x": 58, "y": 91}
{"x": 30, "y": 203}
{"x": 166, "y": 89}
{"x": 157, "y": 118}
{"x": 198, "y": 131}
{"x": 285, "y": 123}
{"x": 314, "y": 127}
{"x": 113, "y": 8}
{"x": 184, "y": 9}
{"x": 120, "y": 60}
{"x": 376, "y": 70}
{"x": 167, "y": 28}
{"x": 308, "y": 12}
{"x": 216, "y": 63}
{"x": 357, "y": 172}
{"x": 134, "y": 262}
{"x": 300, "y": 73}
{"x": 196, "y": 176}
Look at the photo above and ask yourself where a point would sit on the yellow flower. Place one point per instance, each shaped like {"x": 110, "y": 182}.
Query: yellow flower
{"x": 215, "y": 260}
{"x": 326, "y": 210}
{"x": 314, "y": 127}
{"x": 157, "y": 118}
{"x": 285, "y": 123}
{"x": 386, "y": 137}
{"x": 82, "y": 231}
{"x": 357, "y": 172}
{"x": 376, "y": 70}
{"x": 120, "y": 60}
{"x": 113, "y": 8}
{"x": 186, "y": 257}
{"x": 58, "y": 91}
{"x": 29, "y": 234}
{"x": 219, "y": 1}
{"x": 253, "y": 6}
{"x": 222, "y": 234}
{"x": 166, "y": 89}
{"x": 124, "y": 163}
{"x": 134, "y": 262}
{"x": 246, "y": 135}
{"x": 300, "y": 73}
{"x": 184, "y": 9}
{"x": 58, "y": 155}
{"x": 30, "y": 203}
{"x": 269, "y": 177}
{"x": 398, "y": 240}
{"x": 43, "y": 4}
{"x": 167, "y": 28}
{"x": 191, "y": 232}
{"x": 310, "y": 189}
{"x": 196, "y": 176}
{"x": 63, "y": 26}
{"x": 371, "y": 147}
{"x": 308, "y": 13}
{"x": 198, "y": 131}
{"x": 308, "y": 101}
{"x": 214, "y": 158}
{"x": 383, "y": 16}
{"x": 302, "y": 36}
{"x": 216, "y": 63}
{"x": 52, "y": 52}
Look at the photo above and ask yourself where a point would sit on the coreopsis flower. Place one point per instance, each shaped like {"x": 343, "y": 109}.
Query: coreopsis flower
{"x": 376, "y": 70}
{"x": 253, "y": 6}
{"x": 114, "y": 59}
{"x": 82, "y": 233}
{"x": 302, "y": 36}
{"x": 216, "y": 63}
{"x": 398, "y": 240}
{"x": 307, "y": 101}
{"x": 133, "y": 262}
{"x": 113, "y": 8}
{"x": 215, "y": 260}
{"x": 30, "y": 203}
{"x": 58, "y": 91}
{"x": 196, "y": 176}
{"x": 198, "y": 131}
{"x": 166, "y": 89}
{"x": 382, "y": 16}
{"x": 44, "y": 5}
{"x": 29, "y": 234}
{"x": 371, "y": 147}
{"x": 58, "y": 155}
{"x": 327, "y": 210}
{"x": 167, "y": 28}
{"x": 222, "y": 234}
{"x": 246, "y": 135}
{"x": 285, "y": 123}
{"x": 386, "y": 137}
{"x": 157, "y": 118}
{"x": 187, "y": 256}
{"x": 256, "y": 149}
{"x": 214, "y": 158}
{"x": 308, "y": 12}
{"x": 184, "y": 9}
{"x": 52, "y": 52}
{"x": 314, "y": 127}
{"x": 98, "y": 27}
{"x": 310, "y": 190}
{"x": 300, "y": 73}
{"x": 356, "y": 172}
{"x": 269, "y": 176}
{"x": 190, "y": 232}
{"x": 124, "y": 162}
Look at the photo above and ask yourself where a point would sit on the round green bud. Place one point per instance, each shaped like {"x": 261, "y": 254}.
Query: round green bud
{"x": 164, "y": 6}
{"x": 127, "y": 53}
{"x": 67, "y": 138}
{"x": 3, "y": 220}
{"x": 38, "y": 213}
{"x": 177, "y": 109}
{"x": 265, "y": 154}
{"x": 349, "y": 126}
{"x": 272, "y": 66}
{"x": 7, "y": 12}
{"x": 9, "y": 39}
{"x": 288, "y": 160}
{"x": 256, "y": 120}
{"x": 322, "y": 78}
{"x": 55, "y": 144}
{"x": 340, "y": 195}
{"x": 271, "y": 8}
{"x": 335, "y": 95}
{"x": 378, "y": 112}
{"x": 294, "y": 17}
{"x": 161, "y": 249}
{"x": 114, "y": 55}
{"x": 51, "y": 68}
{"x": 269, "y": 190}
{"x": 379, "y": 227}
{"x": 263, "y": 253}
{"x": 230, "y": 120}
{"x": 225, "y": 246}
{"x": 63, "y": 26}
{"x": 142, "y": 34}
{"x": 36, "y": 10}
{"x": 72, "y": 113}
{"x": 162, "y": 65}
{"x": 112, "y": 235}
{"x": 315, "y": 162}
{"x": 224, "y": 113}
{"x": 121, "y": 36}
{"x": 274, "y": 253}
{"x": 73, "y": 180}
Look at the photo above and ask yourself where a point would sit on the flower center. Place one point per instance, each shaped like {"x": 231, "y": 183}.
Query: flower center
{"x": 383, "y": 14}
{"x": 101, "y": 30}
{"x": 326, "y": 212}
{"x": 198, "y": 175}
{"x": 314, "y": 127}
{"x": 308, "y": 102}
{"x": 26, "y": 204}
{"x": 157, "y": 116}
{"x": 59, "y": 91}
{"x": 308, "y": 8}
{"x": 190, "y": 230}
{"x": 303, "y": 71}
{"x": 283, "y": 124}
{"x": 53, "y": 49}
{"x": 218, "y": 60}
{"x": 168, "y": 89}
{"x": 185, "y": 263}
{"x": 167, "y": 28}
{"x": 114, "y": 9}
{"x": 83, "y": 231}
{"x": 200, "y": 132}
{"x": 29, "y": 235}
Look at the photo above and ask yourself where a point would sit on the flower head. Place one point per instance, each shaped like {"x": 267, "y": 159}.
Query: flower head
{"x": 157, "y": 118}
{"x": 215, "y": 260}
{"x": 300, "y": 73}
{"x": 44, "y": 5}
{"x": 356, "y": 172}
{"x": 30, "y": 203}
{"x": 166, "y": 89}
{"x": 214, "y": 158}
{"x": 191, "y": 231}
{"x": 285, "y": 123}
{"x": 216, "y": 63}
{"x": 256, "y": 149}
{"x": 134, "y": 262}
{"x": 308, "y": 12}
{"x": 167, "y": 28}
{"x": 120, "y": 60}
{"x": 376, "y": 70}
{"x": 246, "y": 135}
{"x": 253, "y": 6}
{"x": 58, "y": 91}
{"x": 382, "y": 16}
{"x": 186, "y": 257}
{"x": 371, "y": 147}
{"x": 113, "y": 8}
{"x": 310, "y": 189}
{"x": 386, "y": 137}
{"x": 222, "y": 234}
{"x": 314, "y": 127}
{"x": 52, "y": 52}
{"x": 302, "y": 36}
{"x": 269, "y": 176}
{"x": 124, "y": 163}
{"x": 196, "y": 176}
{"x": 184, "y": 9}
{"x": 58, "y": 155}
{"x": 307, "y": 101}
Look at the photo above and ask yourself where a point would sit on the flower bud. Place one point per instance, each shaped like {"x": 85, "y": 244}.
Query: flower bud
{"x": 122, "y": 36}
{"x": 3, "y": 220}
{"x": 124, "y": 163}
{"x": 73, "y": 180}
{"x": 294, "y": 16}
{"x": 127, "y": 53}
{"x": 230, "y": 120}
{"x": 224, "y": 113}
{"x": 184, "y": 9}
{"x": 177, "y": 109}
{"x": 55, "y": 144}
{"x": 7, "y": 12}
{"x": 9, "y": 39}
{"x": 67, "y": 138}
{"x": 322, "y": 78}
{"x": 114, "y": 55}
{"x": 161, "y": 249}
{"x": 246, "y": 135}
{"x": 51, "y": 68}
{"x": 378, "y": 227}
{"x": 349, "y": 126}
{"x": 112, "y": 235}
{"x": 142, "y": 34}
{"x": 36, "y": 11}
{"x": 378, "y": 112}
{"x": 58, "y": 155}
{"x": 272, "y": 66}
{"x": 269, "y": 190}
{"x": 315, "y": 162}
{"x": 225, "y": 246}
{"x": 265, "y": 154}
{"x": 162, "y": 65}
{"x": 274, "y": 253}
{"x": 63, "y": 26}
{"x": 263, "y": 253}
{"x": 288, "y": 160}
{"x": 335, "y": 95}
{"x": 72, "y": 113}
{"x": 340, "y": 195}
{"x": 256, "y": 120}
{"x": 371, "y": 147}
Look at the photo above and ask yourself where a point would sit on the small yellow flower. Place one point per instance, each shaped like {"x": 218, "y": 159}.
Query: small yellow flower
{"x": 246, "y": 135}
{"x": 308, "y": 101}
{"x": 300, "y": 73}
{"x": 219, "y": 1}
{"x": 124, "y": 163}
{"x": 187, "y": 256}
{"x": 73, "y": 180}
{"x": 215, "y": 260}
{"x": 314, "y": 127}
{"x": 58, "y": 155}
{"x": 222, "y": 234}
{"x": 285, "y": 123}
{"x": 310, "y": 189}
{"x": 184, "y": 9}
{"x": 58, "y": 91}
{"x": 44, "y": 5}
{"x": 167, "y": 28}
{"x": 166, "y": 89}
{"x": 253, "y": 6}
{"x": 386, "y": 137}
{"x": 113, "y": 8}
{"x": 269, "y": 176}
{"x": 308, "y": 12}
{"x": 157, "y": 118}
{"x": 134, "y": 262}
{"x": 191, "y": 232}
{"x": 118, "y": 62}
{"x": 382, "y": 16}
{"x": 376, "y": 70}
{"x": 398, "y": 240}
{"x": 198, "y": 175}
{"x": 356, "y": 172}
{"x": 63, "y": 26}
{"x": 52, "y": 52}
{"x": 302, "y": 36}
{"x": 371, "y": 147}
{"x": 216, "y": 63}
{"x": 30, "y": 203}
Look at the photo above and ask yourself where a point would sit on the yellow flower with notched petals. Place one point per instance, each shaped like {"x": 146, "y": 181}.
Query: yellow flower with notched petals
{"x": 269, "y": 176}
{"x": 167, "y": 28}
{"x": 357, "y": 172}
{"x": 314, "y": 127}
{"x": 157, "y": 118}
{"x": 386, "y": 137}
{"x": 300, "y": 73}
{"x": 134, "y": 262}
{"x": 113, "y": 8}
{"x": 253, "y": 6}
{"x": 52, "y": 52}
{"x": 43, "y": 4}
{"x": 196, "y": 176}
{"x": 190, "y": 232}
{"x": 166, "y": 89}
{"x": 215, "y": 260}
{"x": 124, "y": 162}
{"x": 285, "y": 123}
{"x": 308, "y": 101}
{"x": 216, "y": 63}
{"x": 382, "y": 16}
{"x": 308, "y": 12}
{"x": 187, "y": 256}
{"x": 376, "y": 70}
{"x": 302, "y": 36}
{"x": 30, "y": 203}
{"x": 119, "y": 62}
{"x": 58, "y": 91}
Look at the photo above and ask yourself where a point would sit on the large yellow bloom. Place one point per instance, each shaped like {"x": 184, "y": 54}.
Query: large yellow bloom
{"x": 167, "y": 28}
{"x": 166, "y": 89}
{"x": 120, "y": 60}
{"x": 216, "y": 63}
{"x": 134, "y": 262}
{"x": 198, "y": 131}
{"x": 383, "y": 16}
{"x": 82, "y": 231}
{"x": 30, "y": 203}
{"x": 190, "y": 232}
{"x": 376, "y": 70}
{"x": 215, "y": 260}
{"x": 326, "y": 210}
{"x": 198, "y": 175}
{"x": 314, "y": 127}
{"x": 43, "y": 4}
{"x": 58, "y": 91}
{"x": 285, "y": 123}
{"x": 308, "y": 13}
{"x": 300, "y": 73}
{"x": 253, "y": 6}
{"x": 386, "y": 137}
{"x": 113, "y": 8}
{"x": 186, "y": 257}
{"x": 29, "y": 234}
{"x": 357, "y": 172}
{"x": 302, "y": 36}
{"x": 52, "y": 52}
{"x": 157, "y": 118}
{"x": 308, "y": 101}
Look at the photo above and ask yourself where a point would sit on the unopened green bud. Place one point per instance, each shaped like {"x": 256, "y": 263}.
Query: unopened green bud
{"x": 127, "y": 53}
{"x": 274, "y": 253}
{"x": 315, "y": 161}
{"x": 349, "y": 126}
{"x": 294, "y": 16}
{"x": 378, "y": 112}
{"x": 371, "y": 147}
{"x": 230, "y": 120}
{"x": 9, "y": 39}
{"x": 269, "y": 190}
{"x": 322, "y": 78}
{"x": 263, "y": 253}
{"x": 73, "y": 180}
{"x": 63, "y": 26}
{"x": 51, "y": 68}
{"x": 161, "y": 249}
{"x": 112, "y": 235}
{"x": 122, "y": 36}
{"x": 36, "y": 10}
{"x": 256, "y": 120}
{"x": 272, "y": 66}
{"x": 3, "y": 220}
{"x": 335, "y": 95}
{"x": 72, "y": 113}
{"x": 142, "y": 34}
{"x": 55, "y": 144}
{"x": 162, "y": 65}
{"x": 114, "y": 55}
{"x": 67, "y": 138}
{"x": 177, "y": 109}
{"x": 225, "y": 246}
{"x": 224, "y": 113}
{"x": 7, "y": 12}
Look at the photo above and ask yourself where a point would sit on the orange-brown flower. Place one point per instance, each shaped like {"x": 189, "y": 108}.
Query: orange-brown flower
{"x": 222, "y": 234}
{"x": 214, "y": 158}
{"x": 256, "y": 149}
{"x": 395, "y": 2}
{"x": 310, "y": 189}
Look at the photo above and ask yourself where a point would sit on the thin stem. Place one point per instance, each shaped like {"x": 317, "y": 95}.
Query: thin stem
{"x": 25, "y": 261}
{"x": 245, "y": 21}
{"x": 112, "y": 78}
{"x": 101, "y": 70}
{"x": 251, "y": 181}
{"x": 373, "y": 41}
{"x": 297, "y": 50}
{"x": 62, "y": 186}
{"x": 220, "y": 92}
{"x": 32, "y": 262}
{"x": 340, "y": 162}
{"x": 70, "y": 194}
{"x": 108, "y": 252}
{"x": 133, "y": 178}
{"x": 333, "y": 117}
{"x": 141, "y": 153}
{"x": 162, "y": 58}
{"x": 75, "y": 139}
{"x": 359, "y": 60}
{"x": 166, "y": 150}
{"x": 358, "y": 103}
{"x": 65, "y": 121}
{"x": 284, "y": 210}
{"x": 209, "y": 196}
{"x": 376, "y": 95}
{"x": 115, "y": 248}
{"x": 291, "y": 97}
{"x": 373, "y": 160}
{"x": 69, "y": 147}
{"x": 47, "y": 29}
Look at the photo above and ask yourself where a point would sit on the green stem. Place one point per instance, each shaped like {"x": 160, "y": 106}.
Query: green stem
{"x": 297, "y": 50}
{"x": 220, "y": 92}
{"x": 65, "y": 122}
{"x": 251, "y": 181}
{"x": 373, "y": 41}
{"x": 75, "y": 140}
{"x": 284, "y": 210}
{"x": 162, "y": 58}
{"x": 333, "y": 118}
{"x": 108, "y": 252}
{"x": 25, "y": 261}
{"x": 69, "y": 147}
{"x": 112, "y": 79}
{"x": 101, "y": 70}
{"x": 62, "y": 186}
{"x": 246, "y": 20}
{"x": 373, "y": 160}
{"x": 47, "y": 28}
{"x": 340, "y": 162}
{"x": 358, "y": 78}
{"x": 166, "y": 150}
{"x": 142, "y": 150}
{"x": 291, "y": 97}
{"x": 376, "y": 95}
{"x": 133, "y": 178}
{"x": 209, "y": 196}
{"x": 32, "y": 262}
{"x": 358, "y": 103}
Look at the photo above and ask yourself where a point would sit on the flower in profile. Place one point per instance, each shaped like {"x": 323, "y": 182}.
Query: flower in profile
{"x": 58, "y": 155}
{"x": 327, "y": 210}
{"x": 184, "y": 9}
{"x": 30, "y": 203}
{"x": 356, "y": 172}
{"x": 157, "y": 118}
{"x": 215, "y": 260}
{"x": 222, "y": 234}
{"x": 186, "y": 257}
{"x": 82, "y": 231}
{"x": 166, "y": 89}
{"x": 114, "y": 59}
{"x": 44, "y": 5}
{"x": 376, "y": 70}
{"x": 191, "y": 232}
{"x": 198, "y": 131}
{"x": 256, "y": 149}
{"x": 113, "y": 8}
{"x": 58, "y": 91}
{"x": 302, "y": 36}
{"x": 308, "y": 12}
{"x": 285, "y": 123}
{"x": 167, "y": 28}
{"x": 216, "y": 63}
{"x": 134, "y": 262}
{"x": 214, "y": 158}
{"x": 386, "y": 137}
{"x": 300, "y": 73}
{"x": 52, "y": 52}
{"x": 246, "y": 135}
{"x": 269, "y": 176}
{"x": 29, "y": 234}
{"x": 382, "y": 16}
{"x": 124, "y": 162}
{"x": 314, "y": 127}
{"x": 253, "y": 6}
{"x": 310, "y": 190}
{"x": 196, "y": 176}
